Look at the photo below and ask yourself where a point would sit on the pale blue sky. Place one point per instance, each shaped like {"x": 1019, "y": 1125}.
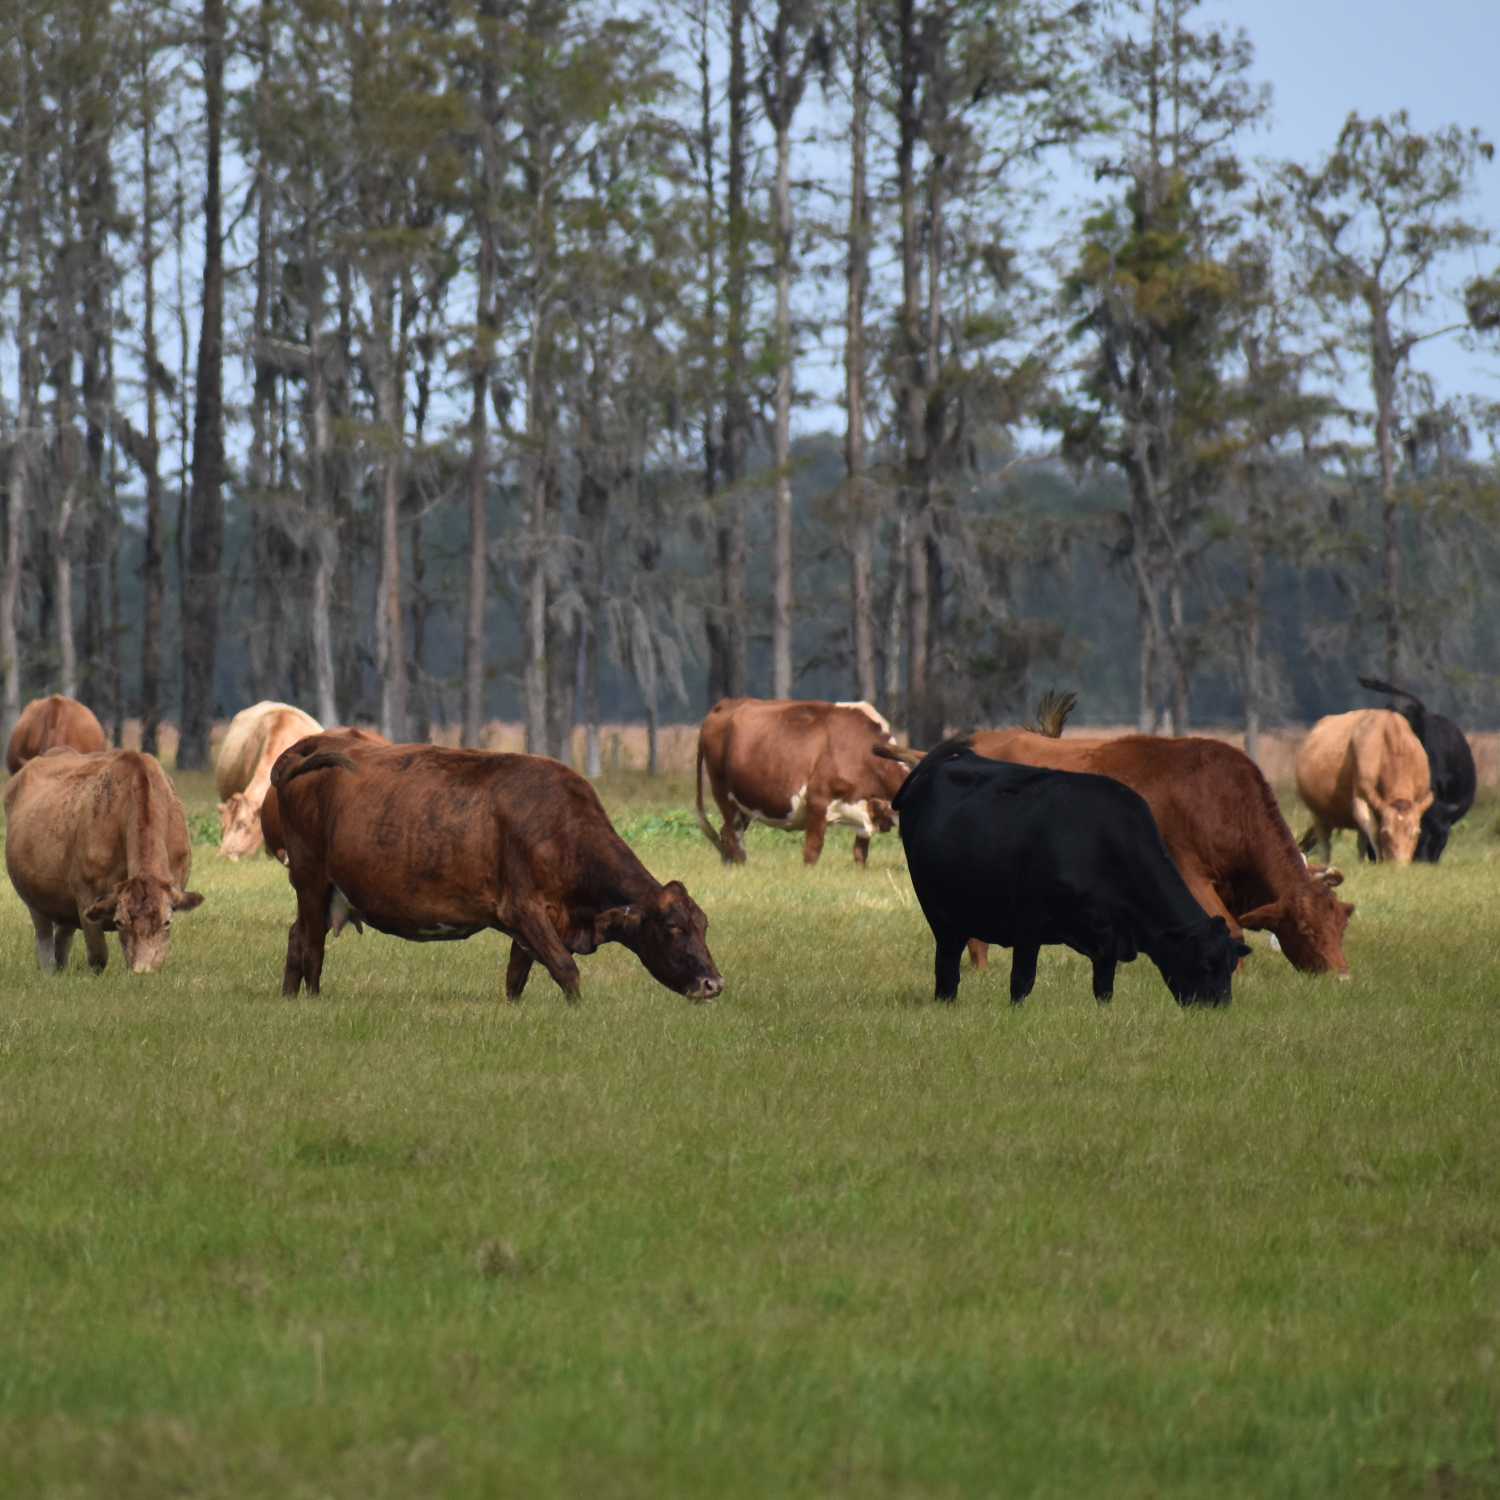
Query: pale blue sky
{"x": 1437, "y": 59}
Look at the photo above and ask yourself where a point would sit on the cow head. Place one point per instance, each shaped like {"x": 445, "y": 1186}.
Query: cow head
{"x": 666, "y": 931}
{"x": 1198, "y": 962}
{"x": 140, "y": 910}
{"x": 239, "y": 826}
{"x": 1399, "y": 828}
{"x": 1309, "y": 923}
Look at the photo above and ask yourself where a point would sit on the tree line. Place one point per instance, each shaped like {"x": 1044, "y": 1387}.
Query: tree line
{"x": 336, "y": 329}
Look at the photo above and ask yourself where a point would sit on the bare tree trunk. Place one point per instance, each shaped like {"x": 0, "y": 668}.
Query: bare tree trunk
{"x": 484, "y": 353}
{"x": 18, "y": 495}
{"x": 534, "y": 573}
{"x": 730, "y": 549}
{"x": 1383, "y": 380}
{"x": 390, "y": 625}
{"x": 200, "y": 635}
{"x": 861, "y": 518}
{"x": 782, "y": 88}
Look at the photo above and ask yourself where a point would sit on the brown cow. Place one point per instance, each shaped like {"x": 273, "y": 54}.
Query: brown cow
{"x": 430, "y": 844}
{"x": 796, "y": 765}
{"x": 98, "y": 841}
{"x": 1365, "y": 770}
{"x": 274, "y": 845}
{"x": 1221, "y": 825}
{"x": 46, "y": 722}
{"x": 242, "y": 769}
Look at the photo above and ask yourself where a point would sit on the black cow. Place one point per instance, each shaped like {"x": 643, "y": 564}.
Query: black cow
{"x": 1022, "y": 856}
{"x": 1450, "y": 764}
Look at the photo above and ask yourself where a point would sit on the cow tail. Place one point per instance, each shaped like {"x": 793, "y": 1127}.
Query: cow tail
{"x": 1052, "y": 712}
{"x": 703, "y": 823}
{"x": 1414, "y": 711}
{"x": 324, "y": 760}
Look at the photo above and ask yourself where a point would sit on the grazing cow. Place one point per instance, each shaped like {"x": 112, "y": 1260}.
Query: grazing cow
{"x": 46, "y": 722}
{"x": 797, "y": 765}
{"x": 1365, "y": 770}
{"x": 432, "y": 844}
{"x": 273, "y": 843}
{"x": 242, "y": 769}
{"x": 1221, "y": 824}
{"x": 1450, "y": 766}
{"x": 1025, "y": 857}
{"x": 98, "y": 841}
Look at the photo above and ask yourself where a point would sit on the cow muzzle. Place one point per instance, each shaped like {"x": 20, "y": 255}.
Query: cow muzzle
{"x": 710, "y": 987}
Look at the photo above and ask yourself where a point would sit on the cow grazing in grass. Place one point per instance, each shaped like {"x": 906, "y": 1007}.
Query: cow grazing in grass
{"x": 1365, "y": 770}
{"x": 242, "y": 769}
{"x": 273, "y": 842}
{"x": 1450, "y": 767}
{"x": 1220, "y": 822}
{"x": 98, "y": 842}
{"x": 795, "y": 765}
{"x": 46, "y": 722}
{"x": 1027, "y": 857}
{"x": 432, "y": 844}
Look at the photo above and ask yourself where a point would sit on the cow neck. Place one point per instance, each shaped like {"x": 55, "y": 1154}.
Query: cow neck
{"x": 145, "y": 823}
{"x": 614, "y": 876}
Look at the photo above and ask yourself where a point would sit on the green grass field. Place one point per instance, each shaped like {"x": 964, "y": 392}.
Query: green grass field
{"x": 823, "y": 1237}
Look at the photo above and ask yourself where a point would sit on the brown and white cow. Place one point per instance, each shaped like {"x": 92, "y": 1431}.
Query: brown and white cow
{"x": 797, "y": 765}
{"x": 274, "y": 843}
{"x": 1221, "y": 824}
{"x": 242, "y": 769}
{"x": 98, "y": 841}
{"x": 46, "y": 722}
{"x": 432, "y": 844}
{"x": 1365, "y": 770}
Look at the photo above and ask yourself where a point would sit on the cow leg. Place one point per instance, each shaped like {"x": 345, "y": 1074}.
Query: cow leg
{"x": 46, "y": 953}
{"x": 307, "y": 940}
{"x": 62, "y": 940}
{"x": 861, "y": 849}
{"x": 979, "y": 954}
{"x": 947, "y": 965}
{"x": 817, "y": 831}
{"x": 1023, "y": 959}
{"x": 517, "y": 971}
{"x": 291, "y": 975}
{"x": 1318, "y": 837}
{"x": 540, "y": 937}
{"x": 731, "y": 846}
{"x": 1366, "y": 848}
{"x": 1369, "y": 828}
{"x": 1104, "y": 979}
{"x": 98, "y": 949}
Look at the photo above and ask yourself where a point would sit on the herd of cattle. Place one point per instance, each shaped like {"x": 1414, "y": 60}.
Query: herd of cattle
{"x": 1113, "y": 846}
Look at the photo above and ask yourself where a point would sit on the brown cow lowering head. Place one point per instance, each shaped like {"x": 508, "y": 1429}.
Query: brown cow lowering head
{"x": 1309, "y": 923}
{"x": 140, "y": 910}
{"x": 1399, "y": 826}
{"x": 666, "y": 931}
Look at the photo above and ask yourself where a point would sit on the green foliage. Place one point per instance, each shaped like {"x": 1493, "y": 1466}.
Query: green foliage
{"x": 823, "y": 1237}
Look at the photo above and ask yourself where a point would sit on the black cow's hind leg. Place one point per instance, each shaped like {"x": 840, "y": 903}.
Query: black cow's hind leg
{"x": 1104, "y": 979}
{"x": 950, "y": 952}
{"x": 1023, "y": 959}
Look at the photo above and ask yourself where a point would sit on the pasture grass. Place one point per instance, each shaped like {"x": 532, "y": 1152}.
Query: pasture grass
{"x": 823, "y": 1237}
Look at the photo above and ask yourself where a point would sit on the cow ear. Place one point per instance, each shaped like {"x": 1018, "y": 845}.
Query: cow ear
{"x": 1263, "y": 917}
{"x": 617, "y": 924}
{"x": 1329, "y": 875}
{"x": 1242, "y": 950}
{"x": 102, "y": 910}
{"x": 186, "y": 900}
